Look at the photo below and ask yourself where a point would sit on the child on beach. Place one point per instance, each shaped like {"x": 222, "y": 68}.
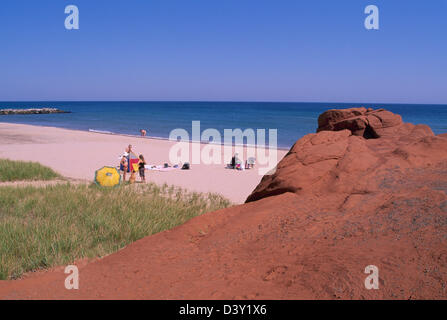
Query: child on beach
{"x": 141, "y": 164}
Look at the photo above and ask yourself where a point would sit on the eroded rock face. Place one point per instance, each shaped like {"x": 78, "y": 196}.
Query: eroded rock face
{"x": 344, "y": 161}
{"x": 362, "y": 122}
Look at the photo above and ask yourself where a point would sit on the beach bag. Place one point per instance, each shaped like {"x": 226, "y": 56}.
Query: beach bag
{"x": 185, "y": 166}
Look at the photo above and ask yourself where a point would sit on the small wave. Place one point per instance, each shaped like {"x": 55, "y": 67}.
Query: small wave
{"x": 100, "y": 131}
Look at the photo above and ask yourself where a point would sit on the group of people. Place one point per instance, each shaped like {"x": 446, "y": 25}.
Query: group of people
{"x": 125, "y": 163}
{"x": 236, "y": 163}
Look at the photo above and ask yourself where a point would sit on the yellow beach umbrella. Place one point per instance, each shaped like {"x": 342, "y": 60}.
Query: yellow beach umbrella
{"x": 108, "y": 177}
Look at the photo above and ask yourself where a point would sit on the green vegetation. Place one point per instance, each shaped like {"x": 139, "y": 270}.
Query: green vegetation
{"x": 21, "y": 170}
{"x": 41, "y": 227}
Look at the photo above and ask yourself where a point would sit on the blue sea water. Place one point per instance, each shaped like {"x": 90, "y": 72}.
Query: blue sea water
{"x": 292, "y": 120}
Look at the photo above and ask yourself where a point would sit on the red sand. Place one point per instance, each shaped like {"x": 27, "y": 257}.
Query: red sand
{"x": 337, "y": 203}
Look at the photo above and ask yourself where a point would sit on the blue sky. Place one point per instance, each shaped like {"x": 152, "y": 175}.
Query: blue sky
{"x": 235, "y": 50}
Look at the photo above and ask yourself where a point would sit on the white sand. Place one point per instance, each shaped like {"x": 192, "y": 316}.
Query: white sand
{"x": 77, "y": 154}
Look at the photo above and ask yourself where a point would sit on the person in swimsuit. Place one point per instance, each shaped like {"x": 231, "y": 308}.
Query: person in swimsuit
{"x": 141, "y": 164}
{"x": 123, "y": 166}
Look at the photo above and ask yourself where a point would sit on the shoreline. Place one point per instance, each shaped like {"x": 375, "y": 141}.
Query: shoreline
{"x": 167, "y": 139}
{"x": 105, "y": 132}
{"x": 78, "y": 154}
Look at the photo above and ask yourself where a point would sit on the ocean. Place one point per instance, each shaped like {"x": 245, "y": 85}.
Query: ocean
{"x": 292, "y": 120}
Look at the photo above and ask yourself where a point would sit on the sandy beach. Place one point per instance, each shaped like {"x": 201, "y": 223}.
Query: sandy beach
{"x": 77, "y": 154}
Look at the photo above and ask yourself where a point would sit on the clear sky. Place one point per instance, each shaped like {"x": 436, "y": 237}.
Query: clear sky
{"x": 235, "y": 50}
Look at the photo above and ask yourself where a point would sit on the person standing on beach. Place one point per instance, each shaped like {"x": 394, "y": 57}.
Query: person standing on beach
{"x": 124, "y": 166}
{"x": 141, "y": 164}
{"x": 143, "y": 132}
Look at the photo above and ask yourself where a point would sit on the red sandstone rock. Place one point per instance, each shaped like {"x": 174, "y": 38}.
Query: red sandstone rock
{"x": 360, "y": 121}
{"x": 337, "y": 203}
{"x": 336, "y": 158}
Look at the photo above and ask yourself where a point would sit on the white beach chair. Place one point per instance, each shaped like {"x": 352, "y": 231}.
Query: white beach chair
{"x": 251, "y": 162}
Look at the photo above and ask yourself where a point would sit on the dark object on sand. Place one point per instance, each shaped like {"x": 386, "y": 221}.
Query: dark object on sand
{"x": 31, "y": 111}
{"x": 186, "y": 166}
{"x": 233, "y": 162}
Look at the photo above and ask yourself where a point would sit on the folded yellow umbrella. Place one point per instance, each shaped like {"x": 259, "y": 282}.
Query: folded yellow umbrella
{"x": 108, "y": 177}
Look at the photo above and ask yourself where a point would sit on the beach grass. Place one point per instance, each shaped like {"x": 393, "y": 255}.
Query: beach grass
{"x": 42, "y": 227}
{"x": 22, "y": 170}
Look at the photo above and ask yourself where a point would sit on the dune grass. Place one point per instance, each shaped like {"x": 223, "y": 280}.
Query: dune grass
{"x": 21, "y": 170}
{"x": 41, "y": 227}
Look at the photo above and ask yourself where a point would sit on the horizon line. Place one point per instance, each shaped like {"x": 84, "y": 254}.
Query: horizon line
{"x": 231, "y": 101}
